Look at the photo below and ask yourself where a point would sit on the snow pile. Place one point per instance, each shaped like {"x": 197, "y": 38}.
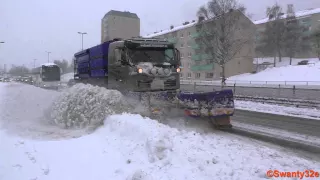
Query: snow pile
{"x": 24, "y": 112}
{"x": 66, "y": 77}
{"x": 286, "y": 73}
{"x": 135, "y": 148}
{"x": 83, "y": 105}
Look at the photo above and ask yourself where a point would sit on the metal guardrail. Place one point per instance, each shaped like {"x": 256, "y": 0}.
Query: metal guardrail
{"x": 283, "y": 84}
{"x": 275, "y": 91}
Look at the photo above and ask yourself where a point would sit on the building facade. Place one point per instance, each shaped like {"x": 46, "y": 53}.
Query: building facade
{"x": 195, "y": 64}
{"x": 117, "y": 24}
{"x": 309, "y": 19}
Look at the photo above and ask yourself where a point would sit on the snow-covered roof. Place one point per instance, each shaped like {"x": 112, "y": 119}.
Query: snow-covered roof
{"x": 298, "y": 14}
{"x": 170, "y": 30}
{"x": 49, "y": 64}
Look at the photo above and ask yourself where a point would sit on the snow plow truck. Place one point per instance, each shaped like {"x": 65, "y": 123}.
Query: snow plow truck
{"x": 149, "y": 69}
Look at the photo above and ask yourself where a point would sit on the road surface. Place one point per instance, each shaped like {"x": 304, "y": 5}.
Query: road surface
{"x": 288, "y": 123}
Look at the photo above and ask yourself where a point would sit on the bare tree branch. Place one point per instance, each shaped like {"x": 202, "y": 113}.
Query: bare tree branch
{"x": 217, "y": 33}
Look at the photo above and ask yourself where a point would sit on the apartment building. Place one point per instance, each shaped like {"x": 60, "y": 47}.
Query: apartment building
{"x": 309, "y": 19}
{"x": 195, "y": 63}
{"x": 117, "y": 24}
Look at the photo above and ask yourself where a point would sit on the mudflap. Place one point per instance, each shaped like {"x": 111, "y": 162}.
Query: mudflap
{"x": 221, "y": 122}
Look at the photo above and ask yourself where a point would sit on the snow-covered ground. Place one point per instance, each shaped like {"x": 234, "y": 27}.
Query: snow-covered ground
{"x": 126, "y": 146}
{"x": 304, "y": 76}
{"x": 284, "y": 72}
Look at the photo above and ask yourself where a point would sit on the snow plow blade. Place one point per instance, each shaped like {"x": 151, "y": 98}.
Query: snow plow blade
{"x": 217, "y": 107}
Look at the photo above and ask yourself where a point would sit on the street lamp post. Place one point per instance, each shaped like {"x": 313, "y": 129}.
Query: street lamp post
{"x": 82, "y": 33}
{"x": 48, "y": 55}
{"x": 34, "y": 63}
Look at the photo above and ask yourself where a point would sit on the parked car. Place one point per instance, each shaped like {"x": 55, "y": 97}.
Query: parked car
{"x": 6, "y": 79}
{"x": 304, "y": 62}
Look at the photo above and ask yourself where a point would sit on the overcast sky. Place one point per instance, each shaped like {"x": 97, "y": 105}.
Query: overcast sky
{"x": 32, "y": 27}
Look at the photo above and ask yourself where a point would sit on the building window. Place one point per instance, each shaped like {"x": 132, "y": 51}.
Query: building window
{"x": 189, "y": 65}
{"x": 181, "y": 45}
{"x": 189, "y": 75}
{"x": 197, "y": 75}
{"x": 181, "y": 35}
{"x": 209, "y": 75}
{"x": 189, "y": 34}
{"x": 181, "y": 55}
{"x": 181, "y": 75}
{"x": 189, "y": 54}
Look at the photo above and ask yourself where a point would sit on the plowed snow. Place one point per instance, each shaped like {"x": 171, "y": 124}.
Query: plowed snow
{"x": 86, "y": 105}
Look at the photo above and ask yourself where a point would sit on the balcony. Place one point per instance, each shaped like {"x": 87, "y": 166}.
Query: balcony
{"x": 206, "y": 56}
{"x": 195, "y": 35}
{"x": 200, "y": 57}
{"x": 196, "y": 57}
{"x": 195, "y": 46}
{"x": 207, "y": 67}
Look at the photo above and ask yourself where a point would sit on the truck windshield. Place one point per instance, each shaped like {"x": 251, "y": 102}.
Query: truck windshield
{"x": 152, "y": 55}
{"x": 50, "y": 73}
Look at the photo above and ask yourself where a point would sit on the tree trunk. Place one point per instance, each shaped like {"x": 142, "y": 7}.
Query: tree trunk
{"x": 279, "y": 53}
{"x": 290, "y": 60}
{"x": 274, "y": 61}
{"x": 223, "y": 78}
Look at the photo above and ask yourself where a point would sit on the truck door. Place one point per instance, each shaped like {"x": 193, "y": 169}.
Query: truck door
{"x": 117, "y": 71}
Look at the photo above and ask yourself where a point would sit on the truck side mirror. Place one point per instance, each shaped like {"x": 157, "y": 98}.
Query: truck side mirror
{"x": 177, "y": 54}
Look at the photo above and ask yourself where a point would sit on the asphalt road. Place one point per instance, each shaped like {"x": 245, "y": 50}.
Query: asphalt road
{"x": 305, "y": 94}
{"x": 288, "y": 123}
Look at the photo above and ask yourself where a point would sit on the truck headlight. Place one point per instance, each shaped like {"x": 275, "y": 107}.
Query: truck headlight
{"x": 139, "y": 70}
{"x": 178, "y": 70}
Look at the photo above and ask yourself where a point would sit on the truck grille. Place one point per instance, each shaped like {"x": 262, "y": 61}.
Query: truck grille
{"x": 147, "y": 84}
{"x": 170, "y": 83}
{"x": 144, "y": 84}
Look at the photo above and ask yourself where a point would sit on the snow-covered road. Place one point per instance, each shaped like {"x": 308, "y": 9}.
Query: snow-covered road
{"x": 126, "y": 146}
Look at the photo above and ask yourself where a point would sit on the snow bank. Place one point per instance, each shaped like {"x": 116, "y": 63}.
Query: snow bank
{"x": 285, "y": 73}
{"x": 135, "y": 148}
{"x": 24, "y": 112}
{"x": 83, "y": 105}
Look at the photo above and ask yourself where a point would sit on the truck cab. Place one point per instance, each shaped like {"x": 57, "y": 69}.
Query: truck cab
{"x": 143, "y": 65}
